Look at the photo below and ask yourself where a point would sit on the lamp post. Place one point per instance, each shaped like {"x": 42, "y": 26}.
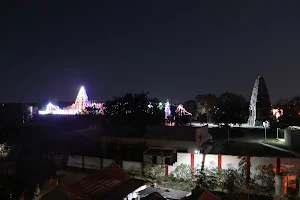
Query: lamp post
{"x": 265, "y": 124}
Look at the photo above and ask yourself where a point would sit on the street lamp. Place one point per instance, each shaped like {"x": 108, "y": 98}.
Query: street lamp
{"x": 265, "y": 124}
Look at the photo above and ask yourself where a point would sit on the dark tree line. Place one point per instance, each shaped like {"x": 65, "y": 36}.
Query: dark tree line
{"x": 224, "y": 109}
{"x": 131, "y": 113}
{"x": 290, "y": 115}
{"x": 134, "y": 108}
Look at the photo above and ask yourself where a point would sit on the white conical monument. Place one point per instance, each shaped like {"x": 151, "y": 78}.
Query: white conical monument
{"x": 260, "y": 105}
{"x": 81, "y": 99}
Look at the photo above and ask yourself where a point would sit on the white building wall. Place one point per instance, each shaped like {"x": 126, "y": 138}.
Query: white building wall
{"x": 129, "y": 166}
{"x": 107, "y": 162}
{"x": 92, "y": 163}
{"x": 230, "y": 162}
{"x": 75, "y": 161}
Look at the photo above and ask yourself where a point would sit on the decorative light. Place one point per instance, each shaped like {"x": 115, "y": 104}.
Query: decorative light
{"x": 81, "y": 103}
{"x": 160, "y": 105}
{"x": 277, "y": 112}
{"x": 167, "y": 109}
{"x": 181, "y": 110}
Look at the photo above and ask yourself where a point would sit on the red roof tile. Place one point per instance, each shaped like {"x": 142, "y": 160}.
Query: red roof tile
{"x": 208, "y": 196}
{"x": 97, "y": 184}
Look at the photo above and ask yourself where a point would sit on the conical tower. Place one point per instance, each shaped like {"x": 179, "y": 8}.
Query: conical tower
{"x": 81, "y": 99}
{"x": 260, "y": 104}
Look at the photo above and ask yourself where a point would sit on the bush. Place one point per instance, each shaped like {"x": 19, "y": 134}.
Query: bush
{"x": 182, "y": 172}
{"x": 155, "y": 172}
{"x": 207, "y": 179}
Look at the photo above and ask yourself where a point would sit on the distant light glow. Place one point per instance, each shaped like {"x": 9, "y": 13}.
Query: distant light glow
{"x": 182, "y": 111}
{"x": 4, "y": 150}
{"x": 277, "y": 112}
{"x": 81, "y": 103}
{"x": 160, "y": 105}
{"x": 167, "y": 109}
{"x": 281, "y": 139}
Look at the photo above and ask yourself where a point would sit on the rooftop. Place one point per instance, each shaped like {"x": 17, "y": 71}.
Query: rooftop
{"x": 158, "y": 152}
{"x": 154, "y": 196}
{"x": 176, "y": 133}
{"x": 164, "y": 192}
{"x": 111, "y": 183}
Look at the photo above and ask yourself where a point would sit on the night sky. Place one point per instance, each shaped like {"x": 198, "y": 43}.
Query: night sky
{"x": 172, "y": 49}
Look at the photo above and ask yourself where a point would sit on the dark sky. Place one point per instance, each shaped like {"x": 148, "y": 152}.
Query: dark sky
{"x": 172, "y": 49}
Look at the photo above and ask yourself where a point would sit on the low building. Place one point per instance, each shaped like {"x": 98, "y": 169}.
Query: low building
{"x": 292, "y": 137}
{"x": 160, "y": 156}
{"x": 182, "y": 138}
{"x": 173, "y": 138}
{"x": 110, "y": 183}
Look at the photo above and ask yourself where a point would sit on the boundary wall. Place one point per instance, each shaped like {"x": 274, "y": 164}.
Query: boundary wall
{"x": 289, "y": 165}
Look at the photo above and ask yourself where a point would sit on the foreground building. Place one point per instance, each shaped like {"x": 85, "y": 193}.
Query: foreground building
{"x": 260, "y": 104}
{"x": 111, "y": 183}
{"x": 162, "y": 143}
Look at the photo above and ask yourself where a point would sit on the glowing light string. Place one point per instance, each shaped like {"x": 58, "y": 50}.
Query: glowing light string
{"x": 182, "y": 111}
{"x": 167, "y": 109}
{"x": 81, "y": 103}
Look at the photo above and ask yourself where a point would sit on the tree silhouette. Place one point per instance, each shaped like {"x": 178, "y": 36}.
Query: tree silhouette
{"x": 290, "y": 117}
{"x": 191, "y": 106}
{"x": 206, "y": 105}
{"x": 231, "y": 108}
{"x": 132, "y": 112}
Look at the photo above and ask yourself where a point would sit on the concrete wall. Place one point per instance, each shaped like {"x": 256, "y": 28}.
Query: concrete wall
{"x": 289, "y": 165}
{"x": 133, "y": 167}
{"x": 292, "y": 137}
{"x": 94, "y": 163}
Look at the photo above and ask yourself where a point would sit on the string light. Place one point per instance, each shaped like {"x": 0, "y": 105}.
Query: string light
{"x": 81, "y": 103}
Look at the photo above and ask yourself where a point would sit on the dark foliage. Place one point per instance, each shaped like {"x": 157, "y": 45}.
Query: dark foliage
{"x": 206, "y": 105}
{"x": 131, "y": 111}
{"x": 291, "y": 113}
{"x": 231, "y": 108}
{"x": 191, "y": 106}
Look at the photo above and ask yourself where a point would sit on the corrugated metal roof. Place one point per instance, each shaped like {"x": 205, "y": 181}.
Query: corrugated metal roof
{"x": 154, "y": 196}
{"x": 166, "y": 193}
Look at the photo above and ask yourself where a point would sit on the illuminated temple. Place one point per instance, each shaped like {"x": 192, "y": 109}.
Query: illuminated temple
{"x": 82, "y": 105}
{"x": 260, "y": 104}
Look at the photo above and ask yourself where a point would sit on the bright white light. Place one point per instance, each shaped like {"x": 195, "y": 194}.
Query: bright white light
{"x": 277, "y": 112}
{"x": 4, "y": 150}
{"x": 281, "y": 139}
{"x": 210, "y": 125}
{"x": 181, "y": 110}
{"x": 80, "y": 104}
